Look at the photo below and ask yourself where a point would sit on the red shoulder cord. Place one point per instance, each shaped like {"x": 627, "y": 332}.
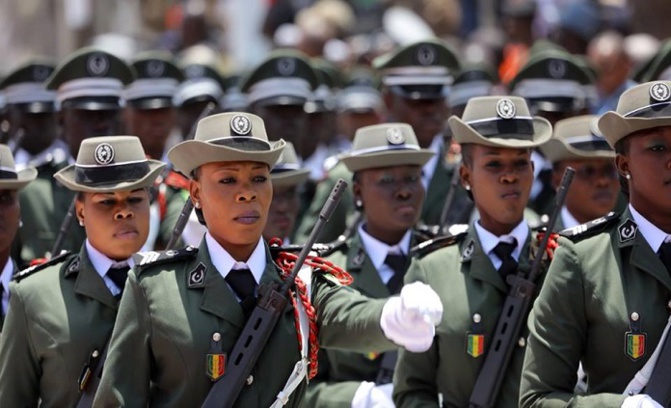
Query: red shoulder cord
{"x": 552, "y": 243}
{"x": 286, "y": 261}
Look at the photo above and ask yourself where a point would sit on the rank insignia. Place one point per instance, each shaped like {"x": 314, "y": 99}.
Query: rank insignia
{"x": 475, "y": 345}
{"x": 634, "y": 345}
{"x": 215, "y": 365}
{"x": 197, "y": 277}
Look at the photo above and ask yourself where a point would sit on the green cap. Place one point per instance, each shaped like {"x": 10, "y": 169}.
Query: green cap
{"x": 420, "y": 70}
{"x": 110, "y": 163}
{"x": 323, "y": 98}
{"x": 577, "y": 138}
{"x": 641, "y": 107}
{"x": 660, "y": 65}
{"x": 202, "y": 83}
{"x": 287, "y": 171}
{"x": 12, "y": 178}
{"x": 473, "y": 80}
{"x": 25, "y": 89}
{"x": 284, "y": 78}
{"x": 90, "y": 79}
{"x": 500, "y": 121}
{"x": 156, "y": 82}
{"x": 553, "y": 81}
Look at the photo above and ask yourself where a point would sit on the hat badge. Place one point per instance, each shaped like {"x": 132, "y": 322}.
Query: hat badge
{"x": 557, "y": 68}
{"x": 155, "y": 68}
{"x": 40, "y": 73}
{"x": 426, "y": 55}
{"x": 506, "y": 109}
{"x": 97, "y": 64}
{"x": 395, "y": 136}
{"x": 286, "y": 66}
{"x": 104, "y": 154}
{"x": 660, "y": 92}
{"x": 240, "y": 126}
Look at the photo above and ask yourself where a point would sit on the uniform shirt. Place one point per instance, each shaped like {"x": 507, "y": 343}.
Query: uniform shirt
{"x": 430, "y": 167}
{"x": 101, "y": 263}
{"x": 58, "y": 152}
{"x": 224, "y": 262}
{"x": 377, "y": 252}
{"x": 5, "y": 278}
{"x": 489, "y": 241}
{"x": 568, "y": 219}
{"x": 654, "y": 236}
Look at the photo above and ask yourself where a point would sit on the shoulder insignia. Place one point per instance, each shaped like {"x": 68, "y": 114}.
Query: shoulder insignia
{"x": 455, "y": 234}
{"x": 591, "y": 228}
{"x": 36, "y": 268}
{"x": 143, "y": 259}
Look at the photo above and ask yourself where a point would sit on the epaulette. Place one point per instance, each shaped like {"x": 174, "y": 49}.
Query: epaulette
{"x": 36, "y": 268}
{"x": 590, "y": 228}
{"x": 151, "y": 258}
{"x": 455, "y": 234}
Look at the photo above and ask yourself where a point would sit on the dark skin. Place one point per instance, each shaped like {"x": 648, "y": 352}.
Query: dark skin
{"x": 392, "y": 200}
{"x": 187, "y": 116}
{"x": 647, "y": 160}
{"x": 152, "y": 126}
{"x": 116, "y": 224}
{"x": 80, "y": 124}
{"x": 235, "y": 199}
{"x": 323, "y": 125}
{"x": 288, "y": 122}
{"x": 348, "y": 122}
{"x": 500, "y": 180}
{"x": 283, "y": 212}
{"x": 10, "y": 216}
{"x": 40, "y": 129}
{"x": 594, "y": 188}
{"x": 426, "y": 116}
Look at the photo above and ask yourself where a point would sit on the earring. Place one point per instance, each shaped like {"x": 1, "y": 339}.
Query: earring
{"x": 467, "y": 187}
{"x": 627, "y": 176}
{"x": 197, "y": 204}
{"x": 81, "y": 223}
{"x": 358, "y": 204}
{"x": 20, "y": 223}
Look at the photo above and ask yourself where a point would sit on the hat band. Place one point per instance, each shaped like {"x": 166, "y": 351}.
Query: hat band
{"x": 588, "y": 143}
{"x": 119, "y": 173}
{"x": 378, "y": 149}
{"x": 242, "y": 143}
{"x": 7, "y": 173}
{"x": 515, "y": 128}
{"x": 651, "y": 111}
{"x": 284, "y": 167}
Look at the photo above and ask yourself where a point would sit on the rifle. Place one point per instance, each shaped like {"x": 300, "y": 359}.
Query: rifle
{"x": 271, "y": 304}
{"x": 513, "y": 314}
{"x": 449, "y": 199}
{"x": 89, "y": 379}
{"x": 65, "y": 228}
{"x": 18, "y": 139}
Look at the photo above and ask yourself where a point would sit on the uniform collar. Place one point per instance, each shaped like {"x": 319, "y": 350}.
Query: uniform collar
{"x": 488, "y": 240}
{"x": 568, "y": 219}
{"x": 101, "y": 263}
{"x": 377, "y": 250}
{"x": 654, "y": 236}
{"x": 224, "y": 262}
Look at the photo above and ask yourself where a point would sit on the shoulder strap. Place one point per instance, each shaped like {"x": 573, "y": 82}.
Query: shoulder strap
{"x": 591, "y": 228}
{"x": 152, "y": 258}
{"x": 40, "y": 267}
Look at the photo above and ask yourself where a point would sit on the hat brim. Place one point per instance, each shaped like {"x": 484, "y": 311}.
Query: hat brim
{"x": 191, "y": 154}
{"x": 556, "y": 151}
{"x": 615, "y": 127}
{"x": 463, "y": 133}
{"x": 281, "y": 100}
{"x": 92, "y": 105}
{"x": 36, "y": 107}
{"x": 289, "y": 177}
{"x": 24, "y": 177}
{"x": 150, "y": 103}
{"x": 67, "y": 177}
{"x": 416, "y": 94}
{"x": 388, "y": 158}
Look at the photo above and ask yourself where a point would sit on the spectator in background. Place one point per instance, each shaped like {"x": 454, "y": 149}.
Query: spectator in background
{"x": 579, "y": 22}
{"x": 613, "y": 66}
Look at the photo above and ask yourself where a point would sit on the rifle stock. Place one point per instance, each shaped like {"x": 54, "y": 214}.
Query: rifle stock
{"x": 272, "y": 302}
{"x": 449, "y": 199}
{"x": 513, "y": 314}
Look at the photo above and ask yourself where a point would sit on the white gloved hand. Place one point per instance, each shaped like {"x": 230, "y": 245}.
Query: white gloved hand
{"x": 409, "y": 320}
{"x": 640, "y": 401}
{"x": 370, "y": 396}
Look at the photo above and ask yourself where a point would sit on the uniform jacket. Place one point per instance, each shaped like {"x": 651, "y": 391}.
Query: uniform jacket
{"x": 467, "y": 283}
{"x": 598, "y": 278}
{"x": 169, "y": 314}
{"x": 56, "y": 318}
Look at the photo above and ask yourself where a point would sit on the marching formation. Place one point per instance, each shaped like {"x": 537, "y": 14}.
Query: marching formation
{"x": 408, "y": 234}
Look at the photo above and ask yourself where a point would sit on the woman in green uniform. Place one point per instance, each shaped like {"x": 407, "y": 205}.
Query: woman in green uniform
{"x": 469, "y": 274}
{"x": 63, "y": 310}
{"x": 183, "y": 310}
{"x": 605, "y": 301}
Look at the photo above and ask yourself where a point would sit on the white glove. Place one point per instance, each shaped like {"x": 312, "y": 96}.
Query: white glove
{"x": 640, "y": 401}
{"x": 370, "y": 396}
{"x": 409, "y": 320}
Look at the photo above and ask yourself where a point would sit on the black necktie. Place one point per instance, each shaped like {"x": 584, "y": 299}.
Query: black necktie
{"x": 118, "y": 276}
{"x": 397, "y": 262}
{"x": 244, "y": 285}
{"x": 665, "y": 255}
{"x": 504, "y": 251}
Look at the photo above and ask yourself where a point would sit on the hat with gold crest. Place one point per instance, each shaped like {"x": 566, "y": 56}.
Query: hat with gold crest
{"x": 501, "y": 121}
{"x": 644, "y": 106}
{"x": 287, "y": 171}
{"x": 385, "y": 145}
{"x": 12, "y": 178}
{"x": 577, "y": 138}
{"x": 110, "y": 163}
{"x": 230, "y": 136}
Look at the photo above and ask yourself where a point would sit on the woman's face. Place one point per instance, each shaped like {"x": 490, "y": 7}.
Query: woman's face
{"x": 234, "y": 198}
{"x": 283, "y": 212}
{"x": 116, "y": 224}
{"x": 500, "y": 180}
{"x": 647, "y": 161}
{"x": 10, "y": 215}
{"x": 392, "y": 200}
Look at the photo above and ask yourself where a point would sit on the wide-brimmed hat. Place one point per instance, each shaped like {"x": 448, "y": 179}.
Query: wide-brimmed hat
{"x": 110, "y": 163}
{"x": 501, "y": 121}
{"x": 12, "y": 178}
{"x": 230, "y": 136}
{"x": 577, "y": 138}
{"x": 644, "y": 106}
{"x": 287, "y": 171}
{"x": 385, "y": 145}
